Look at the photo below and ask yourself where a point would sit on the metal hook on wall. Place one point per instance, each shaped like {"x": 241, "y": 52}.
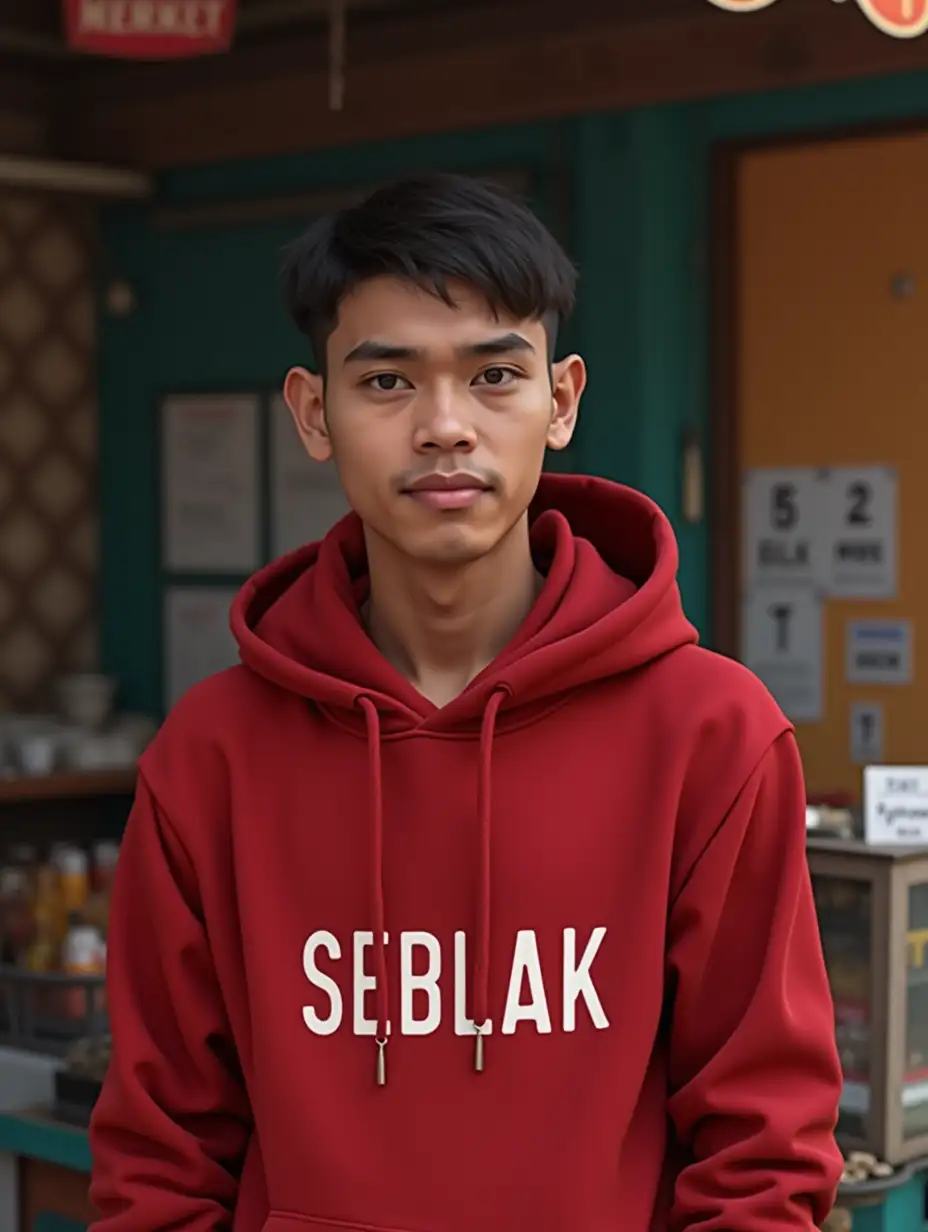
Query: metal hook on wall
{"x": 693, "y": 476}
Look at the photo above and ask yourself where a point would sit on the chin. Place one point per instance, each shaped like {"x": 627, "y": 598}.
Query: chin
{"x": 452, "y": 545}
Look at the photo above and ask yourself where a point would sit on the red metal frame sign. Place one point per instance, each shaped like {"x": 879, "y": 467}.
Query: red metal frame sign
{"x": 898, "y": 18}
{"x": 150, "y": 29}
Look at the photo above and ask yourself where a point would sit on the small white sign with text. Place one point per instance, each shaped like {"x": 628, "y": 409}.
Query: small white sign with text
{"x": 861, "y": 531}
{"x": 879, "y": 652}
{"x": 782, "y": 644}
{"x": 867, "y": 733}
{"x": 896, "y": 805}
{"x": 783, "y": 520}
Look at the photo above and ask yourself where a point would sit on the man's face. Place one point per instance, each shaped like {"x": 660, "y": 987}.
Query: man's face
{"x": 437, "y": 417}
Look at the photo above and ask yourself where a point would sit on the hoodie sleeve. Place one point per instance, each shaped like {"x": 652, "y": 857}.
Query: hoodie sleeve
{"x": 754, "y": 1071}
{"x": 172, "y": 1123}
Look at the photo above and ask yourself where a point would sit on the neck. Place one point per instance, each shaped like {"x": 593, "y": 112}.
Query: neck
{"x": 440, "y": 626}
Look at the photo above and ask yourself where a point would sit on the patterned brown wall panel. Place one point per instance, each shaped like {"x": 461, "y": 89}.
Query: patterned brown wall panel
{"x": 48, "y": 446}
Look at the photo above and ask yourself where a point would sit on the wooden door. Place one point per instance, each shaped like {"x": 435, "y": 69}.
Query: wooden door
{"x": 830, "y": 331}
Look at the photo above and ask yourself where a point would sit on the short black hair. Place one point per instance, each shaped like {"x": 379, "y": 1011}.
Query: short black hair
{"x": 431, "y": 230}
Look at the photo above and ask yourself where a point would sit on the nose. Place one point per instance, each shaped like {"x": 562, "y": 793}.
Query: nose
{"x": 442, "y": 424}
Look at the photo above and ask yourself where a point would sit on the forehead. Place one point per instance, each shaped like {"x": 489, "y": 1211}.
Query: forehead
{"x": 394, "y": 312}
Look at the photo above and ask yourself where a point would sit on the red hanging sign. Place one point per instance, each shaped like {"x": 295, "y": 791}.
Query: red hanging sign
{"x": 150, "y": 29}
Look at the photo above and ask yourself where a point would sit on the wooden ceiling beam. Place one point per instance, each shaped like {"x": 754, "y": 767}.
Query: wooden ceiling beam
{"x": 415, "y": 76}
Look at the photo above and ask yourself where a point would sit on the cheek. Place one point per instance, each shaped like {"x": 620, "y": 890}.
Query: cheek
{"x": 525, "y": 414}
{"x": 518, "y": 436}
{"x": 364, "y": 463}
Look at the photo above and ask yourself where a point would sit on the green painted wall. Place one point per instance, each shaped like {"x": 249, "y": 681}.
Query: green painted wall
{"x": 629, "y": 195}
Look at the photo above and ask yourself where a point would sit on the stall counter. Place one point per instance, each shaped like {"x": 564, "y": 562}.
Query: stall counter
{"x": 44, "y": 1174}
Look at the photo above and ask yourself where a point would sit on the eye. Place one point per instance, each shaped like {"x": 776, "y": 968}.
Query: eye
{"x": 497, "y": 376}
{"x": 387, "y": 382}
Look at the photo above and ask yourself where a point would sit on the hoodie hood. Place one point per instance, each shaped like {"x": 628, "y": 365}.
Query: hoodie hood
{"x": 610, "y": 604}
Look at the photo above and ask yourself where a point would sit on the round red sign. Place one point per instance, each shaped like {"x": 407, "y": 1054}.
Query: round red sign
{"x": 742, "y": 6}
{"x": 900, "y": 18}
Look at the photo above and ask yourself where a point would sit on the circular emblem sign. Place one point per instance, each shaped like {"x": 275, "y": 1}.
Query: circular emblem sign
{"x": 742, "y": 6}
{"x": 900, "y": 18}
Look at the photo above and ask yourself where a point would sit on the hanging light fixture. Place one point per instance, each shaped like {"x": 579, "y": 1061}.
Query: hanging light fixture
{"x": 338, "y": 20}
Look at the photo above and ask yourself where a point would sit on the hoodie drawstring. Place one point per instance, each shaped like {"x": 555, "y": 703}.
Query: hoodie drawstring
{"x": 378, "y": 914}
{"x": 480, "y": 969}
{"x": 481, "y": 963}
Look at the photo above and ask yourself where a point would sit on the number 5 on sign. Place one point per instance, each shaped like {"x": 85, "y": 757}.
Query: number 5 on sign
{"x": 782, "y": 526}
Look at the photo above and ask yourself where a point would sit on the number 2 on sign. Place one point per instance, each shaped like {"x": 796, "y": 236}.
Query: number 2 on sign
{"x": 860, "y": 497}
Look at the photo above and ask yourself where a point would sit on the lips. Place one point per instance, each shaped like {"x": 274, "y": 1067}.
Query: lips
{"x": 455, "y": 491}
{"x": 455, "y": 482}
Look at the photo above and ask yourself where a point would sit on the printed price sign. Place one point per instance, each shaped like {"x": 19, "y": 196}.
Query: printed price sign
{"x": 861, "y": 515}
{"x": 896, "y": 805}
{"x": 782, "y": 644}
{"x": 783, "y": 542}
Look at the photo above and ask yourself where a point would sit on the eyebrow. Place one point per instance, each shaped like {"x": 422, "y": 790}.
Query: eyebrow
{"x": 505, "y": 344}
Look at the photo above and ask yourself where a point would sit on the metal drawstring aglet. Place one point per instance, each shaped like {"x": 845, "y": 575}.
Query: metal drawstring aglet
{"x": 479, "y": 1049}
{"x": 381, "y": 1062}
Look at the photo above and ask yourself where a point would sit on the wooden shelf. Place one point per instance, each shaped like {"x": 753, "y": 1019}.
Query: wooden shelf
{"x": 70, "y": 785}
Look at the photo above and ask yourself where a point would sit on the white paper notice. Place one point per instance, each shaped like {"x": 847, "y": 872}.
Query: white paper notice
{"x": 867, "y": 733}
{"x": 879, "y": 652}
{"x": 783, "y": 532}
{"x": 896, "y": 805}
{"x": 782, "y": 644}
{"x": 197, "y": 639}
{"x": 861, "y": 520}
{"x": 210, "y": 484}
{"x": 306, "y": 497}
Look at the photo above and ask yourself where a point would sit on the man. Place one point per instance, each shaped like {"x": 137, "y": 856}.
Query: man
{"x": 477, "y": 897}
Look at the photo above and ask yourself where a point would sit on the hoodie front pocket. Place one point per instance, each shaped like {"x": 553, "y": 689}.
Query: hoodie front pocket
{"x": 285, "y": 1221}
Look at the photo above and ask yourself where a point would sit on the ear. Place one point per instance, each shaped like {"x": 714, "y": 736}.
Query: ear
{"x": 568, "y": 380}
{"x": 303, "y": 393}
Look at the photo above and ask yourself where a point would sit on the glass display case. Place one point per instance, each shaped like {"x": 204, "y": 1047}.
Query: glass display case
{"x": 872, "y": 905}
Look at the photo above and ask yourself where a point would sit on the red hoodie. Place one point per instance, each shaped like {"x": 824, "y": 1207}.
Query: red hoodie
{"x": 596, "y": 853}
